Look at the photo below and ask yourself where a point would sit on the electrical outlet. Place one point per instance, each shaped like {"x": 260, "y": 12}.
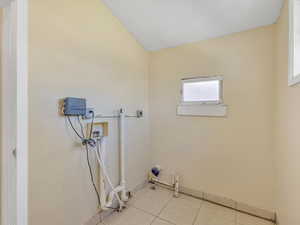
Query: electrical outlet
{"x": 100, "y": 129}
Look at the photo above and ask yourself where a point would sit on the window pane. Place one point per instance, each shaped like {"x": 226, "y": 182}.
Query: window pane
{"x": 201, "y": 91}
{"x": 297, "y": 38}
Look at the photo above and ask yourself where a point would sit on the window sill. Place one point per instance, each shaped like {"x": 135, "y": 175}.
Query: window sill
{"x": 219, "y": 110}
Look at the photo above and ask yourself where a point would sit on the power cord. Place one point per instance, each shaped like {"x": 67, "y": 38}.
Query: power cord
{"x": 91, "y": 174}
{"x": 87, "y": 142}
{"x": 81, "y": 126}
{"x": 70, "y": 122}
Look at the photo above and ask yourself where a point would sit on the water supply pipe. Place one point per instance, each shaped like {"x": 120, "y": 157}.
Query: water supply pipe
{"x": 107, "y": 200}
{"x": 106, "y": 203}
{"x": 122, "y": 155}
{"x": 119, "y": 192}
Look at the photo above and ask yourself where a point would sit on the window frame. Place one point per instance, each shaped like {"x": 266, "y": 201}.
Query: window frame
{"x": 199, "y": 79}
{"x": 292, "y": 80}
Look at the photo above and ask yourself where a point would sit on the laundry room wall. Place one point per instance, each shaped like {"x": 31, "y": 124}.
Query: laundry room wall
{"x": 78, "y": 49}
{"x": 229, "y": 156}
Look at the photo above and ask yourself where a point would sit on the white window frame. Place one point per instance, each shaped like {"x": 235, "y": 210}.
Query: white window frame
{"x": 292, "y": 80}
{"x": 199, "y": 79}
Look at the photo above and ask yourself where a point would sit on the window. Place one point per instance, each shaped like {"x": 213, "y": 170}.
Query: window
{"x": 202, "y": 90}
{"x": 202, "y": 96}
{"x": 294, "y": 55}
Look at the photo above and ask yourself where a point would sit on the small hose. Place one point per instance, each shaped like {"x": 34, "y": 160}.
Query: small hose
{"x": 102, "y": 165}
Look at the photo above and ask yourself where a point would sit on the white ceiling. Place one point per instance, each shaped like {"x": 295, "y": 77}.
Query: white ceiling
{"x": 160, "y": 24}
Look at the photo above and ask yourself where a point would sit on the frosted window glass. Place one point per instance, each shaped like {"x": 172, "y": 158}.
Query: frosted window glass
{"x": 201, "y": 91}
{"x": 297, "y": 38}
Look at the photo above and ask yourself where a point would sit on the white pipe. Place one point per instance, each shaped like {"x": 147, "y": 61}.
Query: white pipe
{"x": 113, "y": 193}
{"x": 156, "y": 180}
{"x": 106, "y": 204}
{"x": 122, "y": 155}
{"x": 103, "y": 203}
{"x": 102, "y": 187}
{"x": 174, "y": 185}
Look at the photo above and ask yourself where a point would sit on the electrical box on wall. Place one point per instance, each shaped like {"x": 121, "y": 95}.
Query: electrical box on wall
{"x": 100, "y": 129}
{"x": 74, "y": 106}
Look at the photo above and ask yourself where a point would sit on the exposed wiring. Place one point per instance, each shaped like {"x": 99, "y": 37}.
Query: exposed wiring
{"x": 81, "y": 137}
{"x": 88, "y": 158}
{"x": 91, "y": 174}
{"x": 81, "y": 126}
{"x": 86, "y": 142}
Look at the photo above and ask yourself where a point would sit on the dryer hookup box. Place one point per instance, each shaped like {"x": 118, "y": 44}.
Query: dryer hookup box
{"x": 74, "y": 106}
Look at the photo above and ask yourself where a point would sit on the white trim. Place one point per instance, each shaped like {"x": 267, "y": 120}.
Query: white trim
{"x": 8, "y": 203}
{"x": 22, "y": 112}
{"x": 230, "y": 203}
{"x": 202, "y": 110}
{"x": 202, "y": 78}
{"x": 199, "y": 79}
{"x": 292, "y": 80}
{"x": 16, "y": 23}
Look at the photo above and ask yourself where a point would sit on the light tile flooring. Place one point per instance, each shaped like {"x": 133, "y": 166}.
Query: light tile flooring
{"x": 159, "y": 207}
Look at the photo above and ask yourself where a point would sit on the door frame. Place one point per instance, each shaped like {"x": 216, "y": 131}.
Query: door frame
{"x": 15, "y": 22}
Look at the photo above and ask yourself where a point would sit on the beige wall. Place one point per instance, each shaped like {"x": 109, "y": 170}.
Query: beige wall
{"x": 77, "y": 48}
{"x": 230, "y": 156}
{"x": 1, "y": 28}
{"x": 288, "y": 141}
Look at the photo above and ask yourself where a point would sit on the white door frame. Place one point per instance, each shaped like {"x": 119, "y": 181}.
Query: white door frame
{"x": 15, "y": 22}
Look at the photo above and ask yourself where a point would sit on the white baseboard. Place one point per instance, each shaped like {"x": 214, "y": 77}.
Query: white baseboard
{"x": 230, "y": 203}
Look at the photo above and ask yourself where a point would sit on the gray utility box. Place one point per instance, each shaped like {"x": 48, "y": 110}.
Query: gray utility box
{"x": 74, "y": 106}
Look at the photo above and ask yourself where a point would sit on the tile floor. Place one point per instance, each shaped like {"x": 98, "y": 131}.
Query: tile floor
{"x": 159, "y": 207}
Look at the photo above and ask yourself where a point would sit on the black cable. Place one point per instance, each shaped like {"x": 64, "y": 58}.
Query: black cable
{"x": 85, "y": 142}
{"x": 74, "y": 128}
{"x": 81, "y": 126}
{"x": 88, "y": 158}
{"x": 91, "y": 174}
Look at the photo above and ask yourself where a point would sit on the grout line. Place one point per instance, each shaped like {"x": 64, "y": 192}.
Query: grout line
{"x": 216, "y": 203}
{"x": 165, "y": 206}
{"x": 154, "y": 218}
{"x": 198, "y": 212}
{"x": 143, "y": 210}
{"x": 225, "y": 206}
{"x": 166, "y": 221}
{"x": 235, "y": 203}
{"x": 157, "y": 216}
{"x": 162, "y": 209}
